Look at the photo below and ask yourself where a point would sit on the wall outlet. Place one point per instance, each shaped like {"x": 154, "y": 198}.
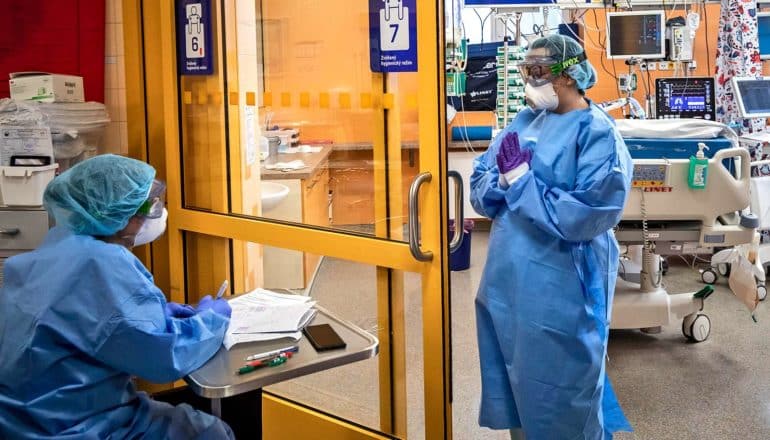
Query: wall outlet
{"x": 652, "y": 65}
{"x": 663, "y": 65}
{"x": 692, "y": 65}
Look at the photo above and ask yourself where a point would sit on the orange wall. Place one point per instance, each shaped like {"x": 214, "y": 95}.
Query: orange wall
{"x": 605, "y": 88}
{"x": 317, "y": 75}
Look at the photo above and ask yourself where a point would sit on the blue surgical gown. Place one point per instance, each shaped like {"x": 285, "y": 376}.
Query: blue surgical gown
{"x": 78, "y": 318}
{"x": 544, "y": 301}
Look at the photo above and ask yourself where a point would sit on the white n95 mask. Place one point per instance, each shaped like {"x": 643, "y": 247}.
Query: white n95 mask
{"x": 151, "y": 229}
{"x": 541, "y": 97}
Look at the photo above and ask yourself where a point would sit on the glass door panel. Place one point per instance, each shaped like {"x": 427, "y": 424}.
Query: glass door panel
{"x": 284, "y": 76}
{"x": 331, "y": 226}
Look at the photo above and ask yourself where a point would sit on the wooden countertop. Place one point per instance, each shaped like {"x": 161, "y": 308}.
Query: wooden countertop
{"x": 312, "y": 161}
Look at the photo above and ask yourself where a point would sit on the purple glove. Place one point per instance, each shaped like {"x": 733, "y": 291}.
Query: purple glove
{"x": 219, "y": 306}
{"x": 174, "y": 310}
{"x": 511, "y": 155}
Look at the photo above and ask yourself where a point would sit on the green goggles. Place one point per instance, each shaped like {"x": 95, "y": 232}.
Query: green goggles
{"x": 541, "y": 70}
{"x": 156, "y": 201}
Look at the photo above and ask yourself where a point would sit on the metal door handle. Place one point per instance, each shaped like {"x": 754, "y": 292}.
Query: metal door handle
{"x": 457, "y": 240}
{"x": 9, "y": 231}
{"x": 414, "y": 218}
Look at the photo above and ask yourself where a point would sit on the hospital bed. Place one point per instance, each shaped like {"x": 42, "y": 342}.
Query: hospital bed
{"x": 664, "y": 216}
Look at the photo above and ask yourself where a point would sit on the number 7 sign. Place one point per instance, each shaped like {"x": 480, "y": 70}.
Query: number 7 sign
{"x": 394, "y": 26}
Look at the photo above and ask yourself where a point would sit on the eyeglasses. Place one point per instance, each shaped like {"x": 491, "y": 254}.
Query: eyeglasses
{"x": 156, "y": 201}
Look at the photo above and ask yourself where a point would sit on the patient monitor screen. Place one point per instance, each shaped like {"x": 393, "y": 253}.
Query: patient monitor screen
{"x": 689, "y": 97}
{"x": 635, "y": 35}
{"x": 754, "y": 96}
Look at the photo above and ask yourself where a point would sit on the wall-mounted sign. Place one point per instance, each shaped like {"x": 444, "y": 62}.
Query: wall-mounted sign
{"x": 193, "y": 30}
{"x": 393, "y": 35}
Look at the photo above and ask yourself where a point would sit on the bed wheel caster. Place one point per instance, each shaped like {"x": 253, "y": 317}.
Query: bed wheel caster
{"x": 761, "y": 292}
{"x": 724, "y": 269}
{"x": 709, "y": 276}
{"x": 696, "y": 327}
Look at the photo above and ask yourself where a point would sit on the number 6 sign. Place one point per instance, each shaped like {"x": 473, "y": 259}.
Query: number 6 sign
{"x": 193, "y": 33}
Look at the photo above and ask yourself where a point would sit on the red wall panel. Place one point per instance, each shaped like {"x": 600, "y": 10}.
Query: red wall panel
{"x": 61, "y": 36}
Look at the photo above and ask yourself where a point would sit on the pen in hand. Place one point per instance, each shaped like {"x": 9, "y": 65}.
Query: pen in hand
{"x": 222, "y": 289}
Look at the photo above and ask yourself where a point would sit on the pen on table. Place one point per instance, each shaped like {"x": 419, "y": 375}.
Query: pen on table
{"x": 269, "y": 354}
{"x": 222, "y": 289}
{"x": 272, "y": 362}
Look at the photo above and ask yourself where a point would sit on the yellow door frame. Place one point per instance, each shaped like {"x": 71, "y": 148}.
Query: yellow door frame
{"x": 156, "y": 81}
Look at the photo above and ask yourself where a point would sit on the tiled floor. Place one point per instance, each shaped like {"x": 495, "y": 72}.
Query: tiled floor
{"x": 669, "y": 389}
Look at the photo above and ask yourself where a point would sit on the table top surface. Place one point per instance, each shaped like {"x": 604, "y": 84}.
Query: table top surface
{"x": 218, "y": 378}
{"x": 313, "y": 161}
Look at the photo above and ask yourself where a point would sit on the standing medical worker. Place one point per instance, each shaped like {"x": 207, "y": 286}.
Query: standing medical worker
{"x": 554, "y": 183}
{"x": 80, "y": 315}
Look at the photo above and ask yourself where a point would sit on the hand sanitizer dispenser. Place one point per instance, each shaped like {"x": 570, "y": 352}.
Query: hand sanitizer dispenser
{"x": 696, "y": 178}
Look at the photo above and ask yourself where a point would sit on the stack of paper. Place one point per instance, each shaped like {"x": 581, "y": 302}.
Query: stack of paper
{"x": 263, "y": 315}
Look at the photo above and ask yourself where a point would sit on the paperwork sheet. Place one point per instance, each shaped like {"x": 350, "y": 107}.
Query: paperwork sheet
{"x": 263, "y": 315}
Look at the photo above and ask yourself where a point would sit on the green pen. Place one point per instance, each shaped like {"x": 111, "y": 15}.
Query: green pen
{"x": 255, "y": 365}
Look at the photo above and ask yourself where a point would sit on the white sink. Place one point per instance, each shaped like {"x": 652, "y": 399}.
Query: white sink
{"x": 272, "y": 194}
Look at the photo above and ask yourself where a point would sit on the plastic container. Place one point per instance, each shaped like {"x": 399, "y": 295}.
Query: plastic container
{"x": 77, "y": 130}
{"x": 273, "y": 142}
{"x": 460, "y": 259}
{"x": 696, "y": 177}
{"x": 24, "y": 186}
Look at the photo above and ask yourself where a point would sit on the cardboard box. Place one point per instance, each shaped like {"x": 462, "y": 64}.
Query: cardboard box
{"x": 46, "y": 87}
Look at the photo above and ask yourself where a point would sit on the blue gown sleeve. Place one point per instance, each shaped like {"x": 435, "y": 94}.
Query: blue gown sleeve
{"x": 145, "y": 343}
{"x": 596, "y": 203}
{"x": 487, "y": 197}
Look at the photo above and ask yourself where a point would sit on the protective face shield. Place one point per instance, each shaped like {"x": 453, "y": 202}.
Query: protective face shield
{"x": 154, "y": 206}
{"x": 151, "y": 229}
{"x": 538, "y": 72}
{"x": 153, "y": 210}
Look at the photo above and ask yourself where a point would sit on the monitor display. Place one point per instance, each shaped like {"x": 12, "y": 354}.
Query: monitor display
{"x": 636, "y": 35}
{"x": 752, "y": 96}
{"x": 690, "y": 97}
{"x": 763, "y": 28}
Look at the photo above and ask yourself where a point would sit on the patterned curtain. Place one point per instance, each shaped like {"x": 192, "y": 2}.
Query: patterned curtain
{"x": 737, "y": 55}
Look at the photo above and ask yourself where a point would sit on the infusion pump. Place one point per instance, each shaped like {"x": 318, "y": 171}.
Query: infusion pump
{"x": 680, "y": 34}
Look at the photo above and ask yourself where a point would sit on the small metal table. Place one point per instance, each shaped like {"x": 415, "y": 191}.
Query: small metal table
{"x": 217, "y": 378}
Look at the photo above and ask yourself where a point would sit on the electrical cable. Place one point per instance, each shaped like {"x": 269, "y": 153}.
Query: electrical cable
{"x": 483, "y": 21}
{"x": 602, "y": 55}
{"x": 708, "y": 51}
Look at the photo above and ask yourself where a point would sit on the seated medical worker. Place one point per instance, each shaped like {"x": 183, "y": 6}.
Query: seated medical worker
{"x": 554, "y": 183}
{"x": 80, "y": 315}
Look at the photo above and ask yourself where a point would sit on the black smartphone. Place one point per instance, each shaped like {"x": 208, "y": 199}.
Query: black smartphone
{"x": 323, "y": 337}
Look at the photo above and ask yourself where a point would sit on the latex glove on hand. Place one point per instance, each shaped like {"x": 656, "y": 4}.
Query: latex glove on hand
{"x": 174, "y": 310}
{"x": 219, "y": 306}
{"x": 512, "y": 161}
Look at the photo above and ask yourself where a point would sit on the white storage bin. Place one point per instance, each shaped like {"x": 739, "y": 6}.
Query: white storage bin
{"x": 77, "y": 130}
{"x": 24, "y": 186}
